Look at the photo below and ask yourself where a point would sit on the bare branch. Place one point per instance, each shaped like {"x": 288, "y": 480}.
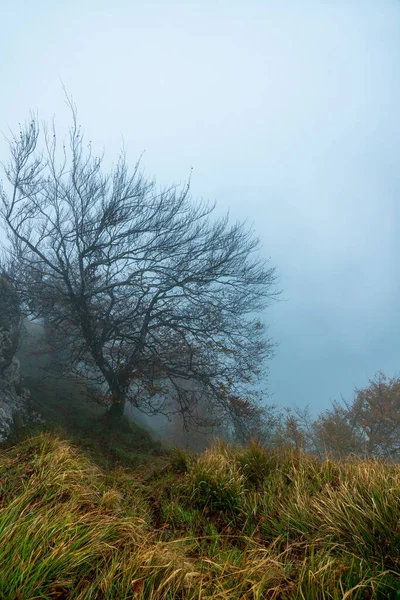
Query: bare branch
{"x": 145, "y": 291}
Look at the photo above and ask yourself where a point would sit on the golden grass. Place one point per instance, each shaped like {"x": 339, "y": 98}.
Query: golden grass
{"x": 236, "y": 523}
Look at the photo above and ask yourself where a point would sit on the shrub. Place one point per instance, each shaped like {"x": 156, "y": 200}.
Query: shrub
{"x": 216, "y": 484}
{"x": 256, "y": 463}
{"x": 180, "y": 460}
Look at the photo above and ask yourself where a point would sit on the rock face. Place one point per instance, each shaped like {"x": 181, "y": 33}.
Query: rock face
{"x": 14, "y": 400}
{"x": 9, "y": 323}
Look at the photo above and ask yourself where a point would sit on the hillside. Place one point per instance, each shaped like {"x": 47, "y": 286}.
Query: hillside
{"x": 69, "y": 408}
{"x": 229, "y": 523}
{"x": 89, "y": 515}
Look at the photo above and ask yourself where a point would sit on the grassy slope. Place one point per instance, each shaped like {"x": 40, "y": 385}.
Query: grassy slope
{"x": 229, "y": 523}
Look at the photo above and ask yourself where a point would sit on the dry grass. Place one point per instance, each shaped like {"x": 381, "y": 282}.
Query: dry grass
{"x": 236, "y": 523}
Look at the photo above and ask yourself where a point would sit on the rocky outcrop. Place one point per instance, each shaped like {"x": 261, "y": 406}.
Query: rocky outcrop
{"x": 14, "y": 400}
{"x": 9, "y": 323}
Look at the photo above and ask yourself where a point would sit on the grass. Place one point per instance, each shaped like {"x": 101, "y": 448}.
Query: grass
{"x": 86, "y": 517}
{"x": 197, "y": 527}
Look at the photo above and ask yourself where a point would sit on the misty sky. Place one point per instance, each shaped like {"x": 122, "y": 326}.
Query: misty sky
{"x": 288, "y": 113}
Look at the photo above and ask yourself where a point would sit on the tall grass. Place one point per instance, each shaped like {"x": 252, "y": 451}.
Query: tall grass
{"x": 229, "y": 523}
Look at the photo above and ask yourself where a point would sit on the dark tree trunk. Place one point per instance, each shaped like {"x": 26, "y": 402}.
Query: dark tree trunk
{"x": 115, "y": 411}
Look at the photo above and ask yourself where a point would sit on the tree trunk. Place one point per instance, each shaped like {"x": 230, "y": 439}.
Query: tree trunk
{"x": 115, "y": 412}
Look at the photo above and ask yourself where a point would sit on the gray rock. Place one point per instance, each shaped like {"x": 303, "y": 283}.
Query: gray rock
{"x": 12, "y": 373}
{"x": 9, "y": 323}
{"x": 14, "y": 399}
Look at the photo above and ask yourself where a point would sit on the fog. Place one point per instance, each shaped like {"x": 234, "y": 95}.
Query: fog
{"x": 288, "y": 115}
{"x": 40, "y": 362}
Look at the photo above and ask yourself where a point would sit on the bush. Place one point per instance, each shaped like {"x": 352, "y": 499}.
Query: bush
{"x": 256, "y": 463}
{"x": 180, "y": 460}
{"x": 216, "y": 484}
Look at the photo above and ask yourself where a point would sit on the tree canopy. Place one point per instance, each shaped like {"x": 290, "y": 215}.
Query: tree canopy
{"x": 148, "y": 293}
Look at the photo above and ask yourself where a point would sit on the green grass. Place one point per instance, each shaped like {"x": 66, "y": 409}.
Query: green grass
{"x": 71, "y": 530}
{"x": 84, "y": 516}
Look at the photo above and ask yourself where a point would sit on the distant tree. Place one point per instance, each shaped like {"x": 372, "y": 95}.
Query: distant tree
{"x": 294, "y": 427}
{"x": 369, "y": 425}
{"x": 336, "y": 432}
{"x": 142, "y": 290}
{"x": 254, "y": 420}
{"x": 376, "y": 408}
{"x": 292, "y": 430}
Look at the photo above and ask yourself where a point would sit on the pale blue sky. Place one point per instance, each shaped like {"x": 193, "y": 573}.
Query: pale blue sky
{"x": 289, "y": 114}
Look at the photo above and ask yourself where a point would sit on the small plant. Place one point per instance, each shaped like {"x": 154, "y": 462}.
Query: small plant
{"x": 180, "y": 460}
{"x": 215, "y": 483}
{"x": 256, "y": 463}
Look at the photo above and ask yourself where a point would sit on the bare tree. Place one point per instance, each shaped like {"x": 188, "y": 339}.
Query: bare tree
{"x": 144, "y": 290}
